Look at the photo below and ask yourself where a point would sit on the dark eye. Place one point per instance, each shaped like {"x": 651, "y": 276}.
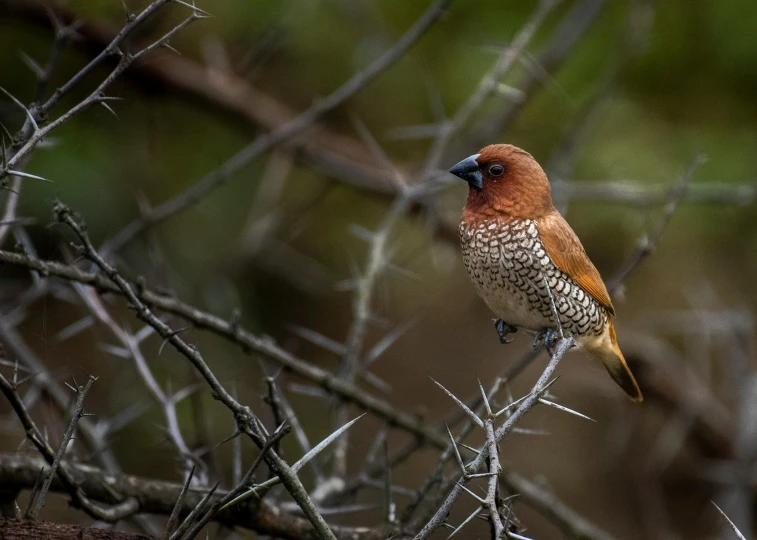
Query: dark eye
{"x": 496, "y": 170}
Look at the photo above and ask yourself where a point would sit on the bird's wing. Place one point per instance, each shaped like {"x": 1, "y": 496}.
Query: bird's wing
{"x": 566, "y": 251}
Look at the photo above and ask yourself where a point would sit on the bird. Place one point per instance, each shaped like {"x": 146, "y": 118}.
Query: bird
{"x": 528, "y": 264}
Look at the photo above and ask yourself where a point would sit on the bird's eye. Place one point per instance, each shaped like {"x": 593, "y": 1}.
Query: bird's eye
{"x": 496, "y": 170}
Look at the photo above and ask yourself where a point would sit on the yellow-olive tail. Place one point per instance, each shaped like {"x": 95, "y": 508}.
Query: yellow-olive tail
{"x": 615, "y": 364}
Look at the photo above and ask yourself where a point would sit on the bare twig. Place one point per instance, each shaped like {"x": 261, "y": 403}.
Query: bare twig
{"x": 486, "y": 86}
{"x": 649, "y": 243}
{"x": 546, "y": 503}
{"x": 191, "y": 528}
{"x": 174, "y": 517}
{"x": 131, "y": 345}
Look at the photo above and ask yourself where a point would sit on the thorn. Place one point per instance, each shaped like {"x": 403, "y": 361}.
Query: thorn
{"x": 464, "y": 523}
{"x": 485, "y": 398}
{"x": 166, "y": 45}
{"x": 731, "y": 524}
{"x": 361, "y": 232}
{"x": 386, "y": 342}
{"x": 109, "y": 109}
{"x": 32, "y": 65}
{"x": 318, "y": 339}
{"x": 194, "y": 8}
{"x": 21, "y": 105}
{"x": 457, "y": 452}
{"x": 563, "y": 408}
{"x": 474, "y": 450}
{"x": 26, "y": 175}
{"x": 479, "y": 499}
{"x": 510, "y": 406}
{"x": 462, "y": 405}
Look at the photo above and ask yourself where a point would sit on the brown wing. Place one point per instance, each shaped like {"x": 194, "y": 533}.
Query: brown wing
{"x": 566, "y": 251}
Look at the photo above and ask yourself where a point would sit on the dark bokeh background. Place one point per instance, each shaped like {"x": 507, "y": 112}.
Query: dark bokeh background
{"x": 684, "y": 84}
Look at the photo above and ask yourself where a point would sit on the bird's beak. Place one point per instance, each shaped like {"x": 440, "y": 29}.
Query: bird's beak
{"x": 469, "y": 171}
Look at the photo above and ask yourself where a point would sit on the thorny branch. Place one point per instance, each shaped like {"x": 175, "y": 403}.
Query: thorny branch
{"x": 32, "y": 133}
{"x": 199, "y": 507}
{"x": 477, "y": 464}
{"x": 78, "y": 412}
{"x": 247, "y": 422}
{"x": 111, "y": 514}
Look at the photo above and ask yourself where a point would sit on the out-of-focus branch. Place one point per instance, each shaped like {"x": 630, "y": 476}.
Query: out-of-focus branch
{"x": 575, "y": 24}
{"x": 159, "y": 497}
{"x": 487, "y": 85}
{"x": 570, "y": 522}
{"x": 352, "y": 361}
{"x": 130, "y": 343}
{"x": 90, "y": 433}
{"x": 222, "y": 91}
{"x": 648, "y": 243}
{"x": 281, "y": 134}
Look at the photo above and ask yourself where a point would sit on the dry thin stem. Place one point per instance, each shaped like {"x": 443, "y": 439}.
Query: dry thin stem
{"x": 192, "y": 527}
{"x": 158, "y": 497}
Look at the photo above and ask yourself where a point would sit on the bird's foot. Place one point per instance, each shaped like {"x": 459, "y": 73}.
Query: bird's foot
{"x": 503, "y": 329}
{"x": 546, "y": 338}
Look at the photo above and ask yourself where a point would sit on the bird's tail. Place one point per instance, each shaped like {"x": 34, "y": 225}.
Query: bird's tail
{"x": 616, "y": 366}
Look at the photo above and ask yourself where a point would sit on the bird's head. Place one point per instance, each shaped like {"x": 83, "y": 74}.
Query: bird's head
{"x": 505, "y": 180}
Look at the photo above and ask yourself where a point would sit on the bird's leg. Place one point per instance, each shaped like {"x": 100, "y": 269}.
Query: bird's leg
{"x": 503, "y": 329}
{"x": 546, "y": 337}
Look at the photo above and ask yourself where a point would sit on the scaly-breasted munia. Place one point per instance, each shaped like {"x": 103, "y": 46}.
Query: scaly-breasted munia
{"x": 527, "y": 263}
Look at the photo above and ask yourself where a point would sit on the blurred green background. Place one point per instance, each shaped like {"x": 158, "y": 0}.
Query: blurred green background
{"x": 683, "y": 83}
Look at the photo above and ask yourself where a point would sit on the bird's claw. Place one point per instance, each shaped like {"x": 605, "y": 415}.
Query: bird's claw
{"x": 503, "y": 329}
{"x": 547, "y": 338}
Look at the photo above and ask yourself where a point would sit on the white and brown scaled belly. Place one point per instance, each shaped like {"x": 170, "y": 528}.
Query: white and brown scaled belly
{"x": 514, "y": 275}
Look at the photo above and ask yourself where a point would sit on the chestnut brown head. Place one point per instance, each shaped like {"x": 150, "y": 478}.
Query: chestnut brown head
{"x": 503, "y": 179}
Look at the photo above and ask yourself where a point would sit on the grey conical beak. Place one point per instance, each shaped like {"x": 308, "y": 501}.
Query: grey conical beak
{"x": 469, "y": 171}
